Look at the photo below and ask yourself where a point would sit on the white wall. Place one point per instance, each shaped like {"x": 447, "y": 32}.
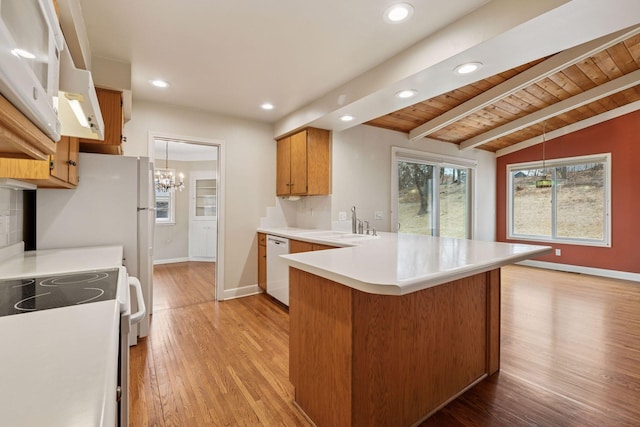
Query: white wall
{"x": 362, "y": 176}
{"x": 11, "y": 216}
{"x": 250, "y": 173}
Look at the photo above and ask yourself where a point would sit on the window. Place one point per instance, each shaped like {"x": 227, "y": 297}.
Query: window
{"x": 432, "y": 194}
{"x": 567, "y": 201}
{"x": 165, "y": 206}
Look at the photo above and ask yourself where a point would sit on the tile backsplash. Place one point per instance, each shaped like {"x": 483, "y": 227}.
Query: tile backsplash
{"x": 11, "y": 216}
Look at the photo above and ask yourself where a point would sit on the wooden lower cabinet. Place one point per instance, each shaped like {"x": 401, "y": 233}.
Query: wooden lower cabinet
{"x": 262, "y": 261}
{"x": 60, "y": 171}
{"x": 296, "y": 246}
{"x": 320, "y": 247}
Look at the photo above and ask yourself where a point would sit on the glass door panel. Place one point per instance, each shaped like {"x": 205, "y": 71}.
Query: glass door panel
{"x": 416, "y": 210}
{"x": 454, "y": 202}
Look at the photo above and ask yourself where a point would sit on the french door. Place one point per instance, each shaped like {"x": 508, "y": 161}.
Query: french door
{"x": 432, "y": 198}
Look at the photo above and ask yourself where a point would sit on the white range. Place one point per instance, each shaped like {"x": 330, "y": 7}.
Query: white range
{"x": 59, "y": 360}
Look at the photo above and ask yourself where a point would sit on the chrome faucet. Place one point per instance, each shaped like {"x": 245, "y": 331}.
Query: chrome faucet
{"x": 354, "y": 220}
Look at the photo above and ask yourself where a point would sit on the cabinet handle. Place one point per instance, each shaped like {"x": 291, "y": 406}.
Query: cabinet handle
{"x": 72, "y": 163}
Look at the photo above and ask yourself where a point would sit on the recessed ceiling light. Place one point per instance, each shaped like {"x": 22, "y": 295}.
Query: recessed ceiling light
{"x": 467, "y": 68}
{"x": 399, "y": 12}
{"x": 407, "y": 93}
{"x": 159, "y": 83}
{"x": 346, "y": 118}
{"x": 267, "y": 106}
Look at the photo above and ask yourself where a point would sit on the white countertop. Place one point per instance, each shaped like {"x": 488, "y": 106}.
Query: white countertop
{"x": 57, "y": 261}
{"x": 59, "y": 367}
{"x": 398, "y": 264}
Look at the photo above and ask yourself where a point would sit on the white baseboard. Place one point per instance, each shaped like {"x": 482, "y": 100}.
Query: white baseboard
{"x": 169, "y": 260}
{"x": 244, "y": 291}
{"x": 202, "y": 259}
{"x": 613, "y": 274}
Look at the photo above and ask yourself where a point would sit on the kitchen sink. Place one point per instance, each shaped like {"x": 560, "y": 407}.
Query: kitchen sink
{"x": 350, "y": 236}
{"x": 329, "y": 234}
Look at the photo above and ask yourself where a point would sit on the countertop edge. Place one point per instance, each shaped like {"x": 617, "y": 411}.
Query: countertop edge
{"x": 410, "y": 286}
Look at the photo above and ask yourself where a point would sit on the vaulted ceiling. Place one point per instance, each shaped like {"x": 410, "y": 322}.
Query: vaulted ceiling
{"x": 520, "y": 104}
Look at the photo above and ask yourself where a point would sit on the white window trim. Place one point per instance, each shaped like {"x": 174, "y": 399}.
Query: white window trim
{"x": 437, "y": 160}
{"x": 566, "y": 161}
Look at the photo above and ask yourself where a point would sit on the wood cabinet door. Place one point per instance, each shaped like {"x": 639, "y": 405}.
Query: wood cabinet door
{"x": 299, "y": 163}
{"x": 74, "y": 147}
{"x": 60, "y": 160}
{"x": 318, "y": 161}
{"x": 262, "y": 267}
{"x": 296, "y": 246}
{"x": 113, "y": 116}
{"x": 320, "y": 247}
{"x": 283, "y": 167}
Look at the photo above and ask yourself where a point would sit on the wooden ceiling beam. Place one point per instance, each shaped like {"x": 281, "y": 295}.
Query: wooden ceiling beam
{"x": 599, "y": 92}
{"x": 528, "y": 77}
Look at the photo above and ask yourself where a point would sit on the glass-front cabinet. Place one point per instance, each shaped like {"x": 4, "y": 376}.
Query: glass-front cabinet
{"x": 205, "y": 198}
{"x": 203, "y": 207}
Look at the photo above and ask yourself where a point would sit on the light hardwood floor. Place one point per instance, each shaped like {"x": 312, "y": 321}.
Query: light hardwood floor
{"x": 570, "y": 356}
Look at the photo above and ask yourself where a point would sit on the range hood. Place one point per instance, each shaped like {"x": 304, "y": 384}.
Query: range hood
{"x": 78, "y": 109}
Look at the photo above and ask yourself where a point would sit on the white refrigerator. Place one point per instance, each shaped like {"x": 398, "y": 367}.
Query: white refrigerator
{"x": 113, "y": 204}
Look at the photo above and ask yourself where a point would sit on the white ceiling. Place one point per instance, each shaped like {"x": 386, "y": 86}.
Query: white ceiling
{"x": 231, "y": 56}
{"x": 316, "y": 60}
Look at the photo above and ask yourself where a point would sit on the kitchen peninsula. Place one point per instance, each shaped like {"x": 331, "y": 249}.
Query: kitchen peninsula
{"x": 389, "y": 331}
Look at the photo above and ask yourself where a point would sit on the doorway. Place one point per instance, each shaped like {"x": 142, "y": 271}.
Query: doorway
{"x": 189, "y": 215}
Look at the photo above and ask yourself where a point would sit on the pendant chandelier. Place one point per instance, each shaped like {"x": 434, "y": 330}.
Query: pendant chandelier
{"x": 544, "y": 182}
{"x": 165, "y": 179}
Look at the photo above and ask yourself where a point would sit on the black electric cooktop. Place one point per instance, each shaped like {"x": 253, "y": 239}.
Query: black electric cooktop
{"x": 27, "y": 295}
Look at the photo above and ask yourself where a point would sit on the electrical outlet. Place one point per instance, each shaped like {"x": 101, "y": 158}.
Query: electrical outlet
{"x": 378, "y": 215}
{"x": 342, "y": 216}
{"x": 558, "y": 252}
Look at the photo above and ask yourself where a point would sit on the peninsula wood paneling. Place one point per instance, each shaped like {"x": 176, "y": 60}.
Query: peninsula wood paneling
{"x": 361, "y": 359}
{"x": 321, "y": 325}
{"x": 412, "y": 353}
{"x": 599, "y": 68}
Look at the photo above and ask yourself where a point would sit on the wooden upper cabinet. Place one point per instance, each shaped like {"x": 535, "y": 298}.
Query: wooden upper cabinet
{"x": 299, "y": 166}
{"x": 65, "y": 161}
{"x": 112, "y": 111}
{"x": 283, "y": 167}
{"x": 19, "y": 138}
{"x": 304, "y": 163}
{"x": 59, "y": 171}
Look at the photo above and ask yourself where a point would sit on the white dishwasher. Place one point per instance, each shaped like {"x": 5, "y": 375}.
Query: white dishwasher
{"x": 277, "y": 269}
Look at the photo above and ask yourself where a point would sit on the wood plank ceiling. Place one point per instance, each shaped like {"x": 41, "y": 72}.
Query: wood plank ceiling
{"x": 514, "y": 106}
